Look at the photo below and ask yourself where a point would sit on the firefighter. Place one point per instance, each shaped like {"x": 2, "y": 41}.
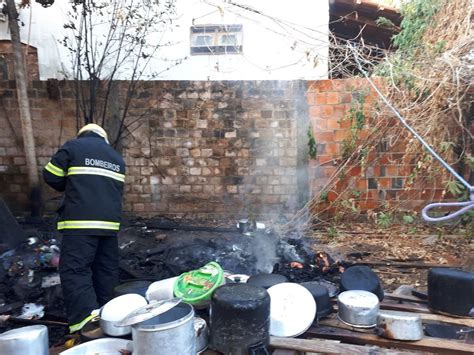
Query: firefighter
{"x": 91, "y": 175}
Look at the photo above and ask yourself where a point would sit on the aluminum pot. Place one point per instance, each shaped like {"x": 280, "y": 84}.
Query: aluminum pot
{"x": 31, "y": 340}
{"x": 115, "y": 310}
{"x": 161, "y": 290}
{"x": 171, "y": 332}
{"x": 399, "y": 325}
{"x": 358, "y": 308}
{"x": 202, "y": 334}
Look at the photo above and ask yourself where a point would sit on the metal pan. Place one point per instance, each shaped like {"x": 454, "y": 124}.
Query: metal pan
{"x": 292, "y": 309}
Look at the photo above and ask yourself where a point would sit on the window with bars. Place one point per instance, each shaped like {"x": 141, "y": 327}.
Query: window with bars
{"x": 216, "y": 39}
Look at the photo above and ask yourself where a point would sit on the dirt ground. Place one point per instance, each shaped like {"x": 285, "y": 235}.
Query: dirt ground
{"x": 402, "y": 245}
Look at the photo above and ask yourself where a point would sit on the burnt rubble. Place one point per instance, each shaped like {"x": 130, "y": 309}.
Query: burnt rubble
{"x": 29, "y": 279}
{"x": 155, "y": 254}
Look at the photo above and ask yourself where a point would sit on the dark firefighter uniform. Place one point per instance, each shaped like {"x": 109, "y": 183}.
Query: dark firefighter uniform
{"x": 91, "y": 173}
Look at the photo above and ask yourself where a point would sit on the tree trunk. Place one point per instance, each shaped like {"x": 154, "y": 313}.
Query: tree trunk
{"x": 21, "y": 79}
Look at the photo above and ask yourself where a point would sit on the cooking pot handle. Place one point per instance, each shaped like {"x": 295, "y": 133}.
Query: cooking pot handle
{"x": 258, "y": 349}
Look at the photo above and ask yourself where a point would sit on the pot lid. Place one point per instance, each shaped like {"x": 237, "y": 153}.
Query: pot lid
{"x": 153, "y": 309}
{"x": 292, "y": 309}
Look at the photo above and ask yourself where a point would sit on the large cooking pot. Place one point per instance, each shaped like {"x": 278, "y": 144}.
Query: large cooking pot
{"x": 266, "y": 280}
{"x": 115, "y": 310}
{"x": 321, "y": 296}
{"x": 361, "y": 277}
{"x": 163, "y": 328}
{"x": 31, "y": 340}
{"x": 451, "y": 291}
{"x": 358, "y": 308}
{"x": 399, "y": 325}
{"x": 239, "y": 318}
{"x": 202, "y": 334}
{"x": 292, "y": 309}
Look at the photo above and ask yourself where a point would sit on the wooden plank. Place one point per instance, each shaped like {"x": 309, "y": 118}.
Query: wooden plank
{"x": 320, "y": 346}
{"x": 397, "y": 307}
{"x": 426, "y": 316}
{"x": 405, "y": 298}
{"x": 436, "y": 345}
{"x": 404, "y": 307}
{"x": 430, "y": 318}
{"x": 336, "y": 323}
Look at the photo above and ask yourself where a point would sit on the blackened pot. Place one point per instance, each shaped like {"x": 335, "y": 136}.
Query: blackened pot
{"x": 266, "y": 280}
{"x": 451, "y": 291}
{"x": 361, "y": 277}
{"x": 321, "y": 296}
{"x": 239, "y": 318}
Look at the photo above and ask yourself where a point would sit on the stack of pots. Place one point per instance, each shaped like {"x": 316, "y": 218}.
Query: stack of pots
{"x": 240, "y": 319}
{"x": 162, "y": 328}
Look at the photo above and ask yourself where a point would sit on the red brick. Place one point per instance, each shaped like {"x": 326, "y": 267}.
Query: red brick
{"x": 361, "y": 184}
{"x": 332, "y": 196}
{"x": 332, "y": 148}
{"x": 315, "y": 111}
{"x": 346, "y": 98}
{"x": 327, "y": 111}
{"x": 333, "y": 98}
{"x": 323, "y": 85}
{"x": 341, "y": 135}
{"x": 334, "y": 124}
{"x": 321, "y": 99}
{"x": 319, "y": 124}
{"x": 385, "y": 183}
{"x": 324, "y": 136}
{"x": 391, "y": 170}
{"x": 354, "y": 171}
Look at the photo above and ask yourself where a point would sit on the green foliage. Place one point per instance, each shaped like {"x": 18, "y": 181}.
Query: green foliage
{"x": 470, "y": 161}
{"x": 324, "y": 196}
{"x": 332, "y": 232}
{"x": 455, "y": 188}
{"x": 384, "y": 219}
{"x": 408, "y": 219}
{"x": 356, "y": 116}
{"x": 468, "y": 220}
{"x": 313, "y": 151}
{"x": 349, "y": 204}
{"x": 439, "y": 46}
{"x": 446, "y": 146}
{"x": 384, "y": 22}
{"x": 417, "y": 15}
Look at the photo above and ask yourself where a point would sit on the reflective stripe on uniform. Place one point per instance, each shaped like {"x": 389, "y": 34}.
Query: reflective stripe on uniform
{"x": 88, "y": 225}
{"x": 53, "y": 169}
{"x": 78, "y": 170}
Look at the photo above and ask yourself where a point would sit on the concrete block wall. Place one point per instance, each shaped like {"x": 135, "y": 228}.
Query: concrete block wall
{"x": 214, "y": 148}
{"x": 199, "y": 148}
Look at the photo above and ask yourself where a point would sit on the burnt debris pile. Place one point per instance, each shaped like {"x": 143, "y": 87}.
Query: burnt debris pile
{"x": 149, "y": 253}
{"x": 28, "y": 272}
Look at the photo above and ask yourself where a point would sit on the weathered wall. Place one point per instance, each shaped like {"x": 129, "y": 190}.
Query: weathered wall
{"x": 384, "y": 177}
{"x": 198, "y": 148}
{"x": 221, "y": 148}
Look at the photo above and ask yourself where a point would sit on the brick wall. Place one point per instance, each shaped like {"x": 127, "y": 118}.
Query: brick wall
{"x": 384, "y": 177}
{"x": 199, "y": 148}
{"x": 220, "y": 148}
{"x": 7, "y": 66}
